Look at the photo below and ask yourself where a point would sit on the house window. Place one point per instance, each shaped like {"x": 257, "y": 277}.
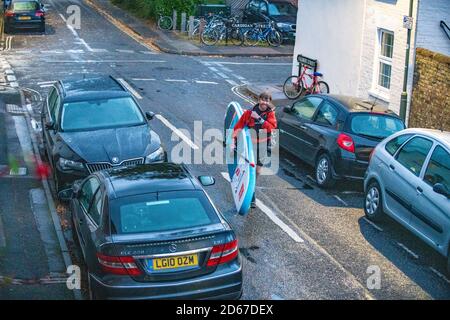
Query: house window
{"x": 385, "y": 58}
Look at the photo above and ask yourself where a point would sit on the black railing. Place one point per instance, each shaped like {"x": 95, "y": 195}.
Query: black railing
{"x": 445, "y": 27}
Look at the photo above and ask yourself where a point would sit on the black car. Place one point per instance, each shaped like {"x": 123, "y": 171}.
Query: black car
{"x": 336, "y": 134}
{"x": 283, "y": 13}
{"x": 24, "y": 14}
{"x": 152, "y": 232}
{"x": 95, "y": 124}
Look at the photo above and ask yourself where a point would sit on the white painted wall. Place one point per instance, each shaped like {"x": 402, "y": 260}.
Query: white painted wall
{"x": 429, "y": 33}
{"x": 331, "y": 32}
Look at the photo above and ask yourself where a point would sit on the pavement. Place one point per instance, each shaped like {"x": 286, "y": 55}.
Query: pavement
{"x": 339, "y": 248}
{"x": 175, "y": 43}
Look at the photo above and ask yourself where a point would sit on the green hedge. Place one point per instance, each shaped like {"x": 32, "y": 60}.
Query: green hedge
{"x": 151, "y": 8}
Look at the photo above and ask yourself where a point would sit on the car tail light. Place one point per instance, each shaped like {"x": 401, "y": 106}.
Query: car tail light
{"x": 39, "y": 13}
{"x": 223, "y": 253}
{"x": 346, "y": 142}
{"x": 118, "y": 265}
{"x": 9, "y": 13}
{"x": 371, "y": 154}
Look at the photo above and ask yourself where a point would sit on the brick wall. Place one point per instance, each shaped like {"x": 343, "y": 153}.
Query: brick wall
{"x": 430, "y": 105}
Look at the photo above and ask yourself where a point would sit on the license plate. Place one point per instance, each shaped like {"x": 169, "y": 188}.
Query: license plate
{"x": 24, "y": 18}
{"x": 174, "y": 262}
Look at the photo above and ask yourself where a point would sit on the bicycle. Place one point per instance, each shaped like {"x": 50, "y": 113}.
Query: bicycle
{"x": 263, "y": 32}
{"x": 164, "y": 22}
{"x": 221, "y": 28}
{"x": 294, "y": 85}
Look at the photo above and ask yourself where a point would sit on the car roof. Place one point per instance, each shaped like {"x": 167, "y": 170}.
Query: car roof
{"x": 89, "y": 88}
{"x": 355, "y": 104}
{"x": 148, "y": 178}
{"x": 439, "y": 135}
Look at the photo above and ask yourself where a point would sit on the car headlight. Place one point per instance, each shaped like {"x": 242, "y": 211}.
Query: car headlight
{"x": 70, "y": 164}
{"x": 158, "y": 155}
{"x": 283, "y": 26}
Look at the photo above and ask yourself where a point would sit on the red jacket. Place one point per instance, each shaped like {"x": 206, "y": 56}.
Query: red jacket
{"x": 246, "y": 120}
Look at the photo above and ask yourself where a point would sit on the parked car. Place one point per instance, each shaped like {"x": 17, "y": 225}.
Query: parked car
{"x": 336, "y": 134}
{"x": 409, "y": 179}
{"x": 283, "y": 13}
{"x": 95, "y": 124}
{"x": 151, "y": 231}
{"x": 24, "y": 14}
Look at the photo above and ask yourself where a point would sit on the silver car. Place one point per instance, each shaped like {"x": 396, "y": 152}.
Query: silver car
{"x": 408, "y": 178}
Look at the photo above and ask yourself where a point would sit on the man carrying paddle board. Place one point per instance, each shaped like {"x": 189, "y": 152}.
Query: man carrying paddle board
{"x": 261, "y": 118}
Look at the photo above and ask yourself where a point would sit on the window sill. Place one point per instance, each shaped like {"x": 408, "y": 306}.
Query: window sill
{"x": 380, "y": 95}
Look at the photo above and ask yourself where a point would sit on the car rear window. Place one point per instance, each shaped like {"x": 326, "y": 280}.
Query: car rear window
{"x": 375, "y": 125}
{"x": 165, "y": 211}
{"x": 393, "y": 145}
{"x": 25, "y": 6}
{"x": 98, "y": 114}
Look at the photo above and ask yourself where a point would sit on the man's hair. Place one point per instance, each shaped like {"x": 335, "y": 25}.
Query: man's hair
{"x": 265, "y": 95}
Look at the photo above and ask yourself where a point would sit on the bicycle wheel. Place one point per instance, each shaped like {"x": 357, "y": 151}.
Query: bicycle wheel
{"x": 165, "y": 23}
{"x": 322, "y": 87}
{"x": 209, "y": 37}
{"x": 274, "y": 38}
{"x": 236, "y": 37}
{"x": 251, "y": 38}
{"x": 292, "y": 88}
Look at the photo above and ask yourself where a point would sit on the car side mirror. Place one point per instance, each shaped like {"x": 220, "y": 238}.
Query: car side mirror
{"x": 149, "y": 115}
{"x": 66, "y": 195}
{"x": 50, "y": 125}
{"x": 441, "y": 189}
{"x": 206, "y": 181}
{"x": 287, "y": 109}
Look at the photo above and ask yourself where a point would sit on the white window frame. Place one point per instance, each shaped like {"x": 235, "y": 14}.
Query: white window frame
{"x": 378, "y": 90}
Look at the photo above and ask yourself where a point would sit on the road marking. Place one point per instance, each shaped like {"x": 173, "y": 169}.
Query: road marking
{"x": 256, "y": 63}
{"x": 205, "y": 82}
{"x": 11, "y": 78}
{"x": 231, "y": 82}
{"x": 222, "y": 75}
{"x": 23, "y": 51}
{"x": 213, "y": 69}
{"x": 340, "y": 200}
{"x": 46, "y": 82}
{"x": 272, "y": 216}
{"x": 140, "y": 79}
{"x": 236, "y": 92}
{"x": 14, "y": 85}
{"x": 177, "y": 131}
{"x": 86, "y": 45}
{"x": 148, "y": 52}
{"x": 52, "y": 51}
{"x": 9, "y": 71}
{"x": 175, "y": 80}
{"x": 100, "y": 50}
{"x": 373, "y": 224}
{"x": 129, "y": 88}
{"x": 75, "y": 51}
{"x": 104, "y": 61}
{"x": 440, "y": 275}
{"x": 46, "y": 85}
{"x": 410, "y": 252}
{"x": 125, "y": 51}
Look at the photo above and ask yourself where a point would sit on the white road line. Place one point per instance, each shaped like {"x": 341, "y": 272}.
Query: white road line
{"x": 46, "y": 82}
{"x": 256, "y": 63}
{"x": 340, "y": 200}
{"x": 238, "y": 77}
{"x": 9, "y": 71}
{"x": 14, "y": 84}
{"x": 11, "y": 78}
{"x": 100, "y": 50}
{"x": 75, "y": 51}
{"x": 373, "y": 224}
{"x": 129, "y": 88}
{"x": 46, "y": 85}
{"x": 222, "y": 75}
{"x": 142, "y": 79}
{"x": 440, "y": 275}
{"x": 177, "y": 131}
{"x": 86, "y": 45}
{"x": 52, "y": 51}
{"x": 104, "y": 61}
{"x": 62, "y": 17}
{"x": 272, "y": 216}
{"x": 213, "y": 69}
{"x": 233, "y": 83}
{"x": 205, "y": 82}
{"x": 23, "y": 51}
{"x": 175, "y": 80}
{"x": 125, "y": 51}
{"x": 410, "y": 252}
{"x": 236, "y": 92}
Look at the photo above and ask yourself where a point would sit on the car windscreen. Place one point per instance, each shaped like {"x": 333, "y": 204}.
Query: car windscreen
{"x": 375, "y": 125}
{"x": 281, "y": 9}
{"x": 160, "y": 212}
{"x": 100, "y": 114}
{"x": 25, "y": 6}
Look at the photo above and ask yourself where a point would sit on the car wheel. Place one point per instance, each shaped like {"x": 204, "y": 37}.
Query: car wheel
{"x": 373, "y": 206}
{"x": 324, "y": 176}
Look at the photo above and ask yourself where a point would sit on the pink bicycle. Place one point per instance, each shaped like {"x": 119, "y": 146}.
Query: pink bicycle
{"x": 295, "y": 85}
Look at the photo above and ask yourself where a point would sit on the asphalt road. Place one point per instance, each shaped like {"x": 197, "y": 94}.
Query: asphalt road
{"x": 323, "y": 248}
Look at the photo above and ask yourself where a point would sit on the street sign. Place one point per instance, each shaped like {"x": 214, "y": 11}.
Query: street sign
{"x": 407, "y": 22}
{"x": 312, "y": 63}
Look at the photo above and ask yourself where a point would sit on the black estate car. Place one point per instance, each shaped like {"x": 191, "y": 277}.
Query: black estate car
{"x": 336, "y": 134}
{"x": 24, "y": 14}
{"x": 151, "y": 231}
{"x": 283, "y": 13}
{"x": 95, "y": 124}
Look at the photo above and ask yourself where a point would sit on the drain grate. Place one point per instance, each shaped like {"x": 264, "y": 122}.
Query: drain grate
{"x": 14, "y": 108}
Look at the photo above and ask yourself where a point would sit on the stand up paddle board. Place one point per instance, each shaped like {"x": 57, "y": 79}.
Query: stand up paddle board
{"x": 241, "y": 162}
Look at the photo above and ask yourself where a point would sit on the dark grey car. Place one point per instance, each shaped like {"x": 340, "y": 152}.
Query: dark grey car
{"x": 151, "y": 231}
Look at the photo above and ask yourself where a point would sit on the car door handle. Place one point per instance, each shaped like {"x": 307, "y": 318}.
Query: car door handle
{"x": 304, "y": 127}
{"x": 419, "y": 190}
{"x": 80, "y": 221}
{"x": 392, "y": 167}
